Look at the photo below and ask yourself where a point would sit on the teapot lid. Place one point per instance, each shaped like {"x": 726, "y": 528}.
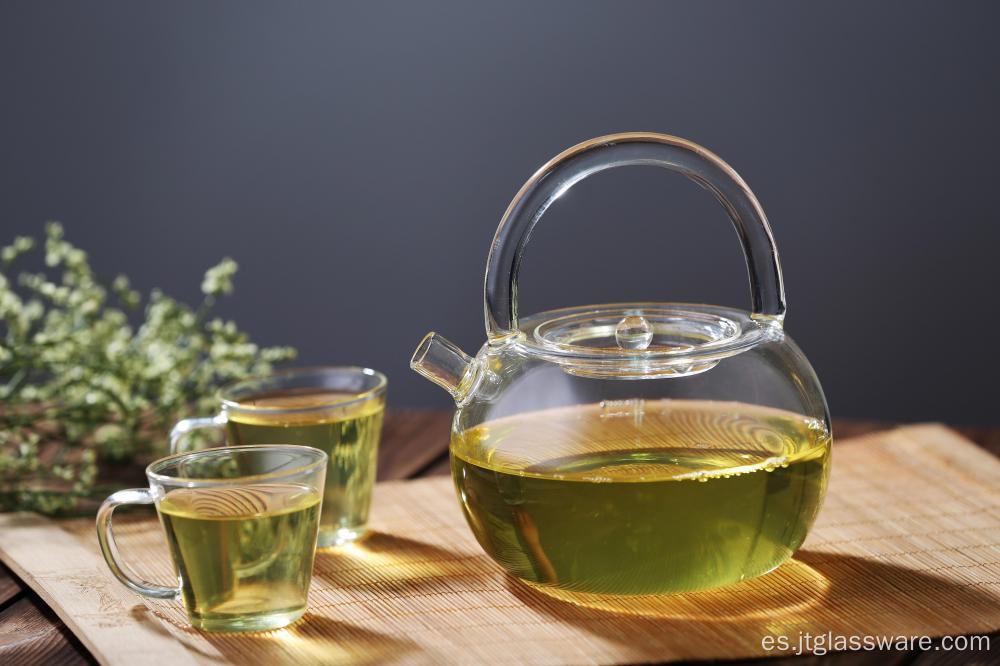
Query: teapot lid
{"x": 642, "y": 340}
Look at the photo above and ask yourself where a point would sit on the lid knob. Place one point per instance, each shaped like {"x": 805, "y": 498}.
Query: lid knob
{"x": 633, "y": 332}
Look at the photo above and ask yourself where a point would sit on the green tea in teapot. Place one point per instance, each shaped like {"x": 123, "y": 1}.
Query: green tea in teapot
{"x": 642, "y": 497}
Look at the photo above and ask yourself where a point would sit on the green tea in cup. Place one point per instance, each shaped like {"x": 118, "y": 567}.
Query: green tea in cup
{"x": 241, "y": 524}
{"x": 337, "y": 410}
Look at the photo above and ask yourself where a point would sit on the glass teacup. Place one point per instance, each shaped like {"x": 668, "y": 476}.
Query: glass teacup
{"x": 241, "y": 523}
{"x": 336, "y": 409}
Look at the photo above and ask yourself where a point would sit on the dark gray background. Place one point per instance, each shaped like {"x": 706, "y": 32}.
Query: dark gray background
{"x": 356, "y": 158}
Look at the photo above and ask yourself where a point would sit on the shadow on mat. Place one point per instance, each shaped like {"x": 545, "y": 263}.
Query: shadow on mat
{"x": 311, "y": 640}
{"x": 815, "y": 592}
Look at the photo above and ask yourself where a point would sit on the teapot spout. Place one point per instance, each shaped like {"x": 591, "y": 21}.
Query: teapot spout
{"x": 442, "y": 362}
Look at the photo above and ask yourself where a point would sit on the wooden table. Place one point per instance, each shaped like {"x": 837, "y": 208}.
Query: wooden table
{"x": 414, "y": 444}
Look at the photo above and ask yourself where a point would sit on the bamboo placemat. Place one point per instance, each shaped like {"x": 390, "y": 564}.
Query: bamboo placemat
{"x": 908, "y": 543}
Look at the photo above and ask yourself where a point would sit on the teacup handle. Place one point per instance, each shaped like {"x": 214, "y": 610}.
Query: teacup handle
{"x": 109, "y": 548}
{"x": 633, "y": 148}
{"x": 186, "y": 426}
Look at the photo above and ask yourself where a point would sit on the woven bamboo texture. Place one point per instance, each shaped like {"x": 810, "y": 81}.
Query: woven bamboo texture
{"x": 908, "y": 543}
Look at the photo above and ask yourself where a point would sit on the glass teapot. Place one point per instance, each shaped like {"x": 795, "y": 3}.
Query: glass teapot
{"x": 635, "y": 448}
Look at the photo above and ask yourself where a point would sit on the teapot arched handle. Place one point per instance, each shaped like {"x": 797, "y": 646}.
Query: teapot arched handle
{"x": 626, "y": 149}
